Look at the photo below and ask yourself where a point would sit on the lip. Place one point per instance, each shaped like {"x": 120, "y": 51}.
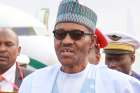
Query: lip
{"x": 67, "y": 52}
{"x": 3, "y": 58}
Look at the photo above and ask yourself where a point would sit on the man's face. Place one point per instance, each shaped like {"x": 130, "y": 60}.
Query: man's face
{"x": 8, "y": 49}
{"x": 120, "y": 62}
{"x": 72, "y": 50}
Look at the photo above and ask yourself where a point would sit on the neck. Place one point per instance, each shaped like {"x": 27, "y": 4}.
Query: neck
{"x": 73, "y": 69}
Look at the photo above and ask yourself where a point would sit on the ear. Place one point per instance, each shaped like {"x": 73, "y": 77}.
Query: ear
{"x": 98, "y": 56}
{"x": 132, "y": 58}
{"x": 93, "y": 41}
{"x": 19, "y": 49}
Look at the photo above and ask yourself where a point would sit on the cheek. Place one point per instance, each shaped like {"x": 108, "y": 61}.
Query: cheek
{"x": 14, "y": 52}
{"x": 57, "y": 45}
{"x": 125, "y": 68}
{"x": 84, "y": 48}
{"x": 13, "y": 55}
{"x": 125, "y": 65}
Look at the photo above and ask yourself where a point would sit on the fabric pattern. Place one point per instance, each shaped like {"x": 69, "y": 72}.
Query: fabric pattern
{"x": 72, "y": 11}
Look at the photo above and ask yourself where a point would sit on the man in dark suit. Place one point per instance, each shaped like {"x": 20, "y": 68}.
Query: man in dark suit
{"x": 11, "y": 74}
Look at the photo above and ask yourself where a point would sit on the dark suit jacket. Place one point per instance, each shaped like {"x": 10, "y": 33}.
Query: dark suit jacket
{"x": 25, "y": 72}
{"x": 135, "y": 75}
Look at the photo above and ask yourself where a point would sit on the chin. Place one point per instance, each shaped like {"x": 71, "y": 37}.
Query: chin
{"x": 3, "y": 64}
{"x": 67, "y": 62}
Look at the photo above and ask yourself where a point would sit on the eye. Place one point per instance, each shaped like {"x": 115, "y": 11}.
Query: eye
{"x": 76, "y": 34}
{"x": 59, "y": 34}
{"x": 9, "y": 44}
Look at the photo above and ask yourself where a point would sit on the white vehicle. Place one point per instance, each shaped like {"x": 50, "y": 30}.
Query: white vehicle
{"x": 35, "y": 41}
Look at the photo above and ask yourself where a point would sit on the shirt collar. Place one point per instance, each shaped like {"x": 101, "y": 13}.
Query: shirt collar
{"x": 9, "y": 75}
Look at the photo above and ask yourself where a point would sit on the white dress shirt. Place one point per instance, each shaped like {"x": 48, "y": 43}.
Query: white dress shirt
{"x": 9, "y": 75}
{"x": 73, "y": 82}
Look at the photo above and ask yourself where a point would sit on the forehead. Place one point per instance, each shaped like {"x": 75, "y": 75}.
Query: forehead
{"x": 117, "y": 55}
{"x": 71, "y": 26}
{"x": 7, "y": 34}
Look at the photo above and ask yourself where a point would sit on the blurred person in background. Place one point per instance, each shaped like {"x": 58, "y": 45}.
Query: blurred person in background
{"x": 120, "y": 53}
{"x": 11, "y": 74}
{"x": 101, "y": 42}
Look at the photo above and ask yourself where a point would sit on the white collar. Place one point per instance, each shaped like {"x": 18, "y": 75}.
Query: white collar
{"x": 9, "y": 75}
{"x": 76, "y": 74}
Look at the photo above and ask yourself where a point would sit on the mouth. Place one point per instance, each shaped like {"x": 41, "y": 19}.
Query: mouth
{"x": 67, "y": 52}
{"x": 3, "y": 58}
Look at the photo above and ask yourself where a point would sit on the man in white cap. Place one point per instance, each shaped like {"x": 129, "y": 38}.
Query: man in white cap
{"x": 74, "y": 34}
{"x": 120, "y": 53}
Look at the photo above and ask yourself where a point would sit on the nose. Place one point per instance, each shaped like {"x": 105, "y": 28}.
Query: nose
{"x": 112, "y": 65}
{"x": 2, "y": 47}
{"x": 67, "y": 40}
